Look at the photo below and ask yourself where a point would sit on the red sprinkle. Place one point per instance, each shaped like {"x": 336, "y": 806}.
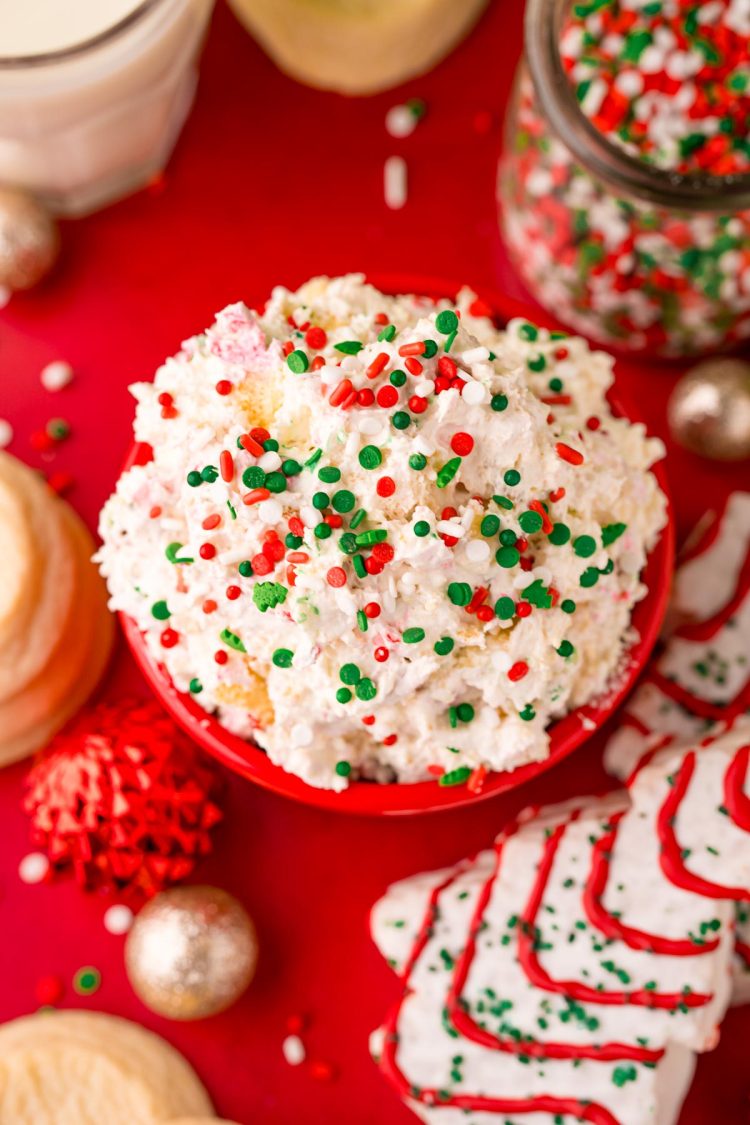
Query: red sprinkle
{"x": 372, "y": 610}
{"x": 475, "y": 783}
{"x": 478, "y": 307}
{"x": 165, "y": 399}
{"x": 518, "y": 671}
{"x": 593, "y": 423}
{"x": 377, "y": 365}
{"x": 169, "y": 638}
{"x": 462, "y": 444}
{"x": 287, "y": 347}
{"x": 365, "y": 397}
{"x": 317, "y": 363}
{"x": 209, "y": 606}
{"x": 383, "y": 552}
{"x": 207, "y": 550}
{"x": 447, "y": 367}
{"x": 298, "y": 557}
{"x": 413, "y": 366}
{"x": 221, "y": 657}
{"x": 333, "y": 519}
{"x": 226, "y": 465}
{"x": 368, "y": 720}
{"x": 372, "y": 566}
{"x": 417, "y": 348}
{"x": 417, "y": 405}
{"x": 260, "y": 433}
{"x": 387, "y": 396}
{"x": 340, "y": 392}
{"x": 523, "y": 609}
{"x": 261, "y": 564}
{"x": 572, "y": 456}
{"x": 316, "y": 338}
{"x": 390, "y": 739}
{"x": 381, "y": 655}
{"x": 381, "y": 318}
{"x": 485, "y": 613}
{"x": 233, "y": 592}
{"x": 155, "y": 512}
{"x": 255, "y": 496}
{"x": 386, "y": 486}
{"x": 296, "y": 527}
{"x": 252, "y": 445}
{"x": 224, "y": 387}
{"x": 210, "y": 522}
{"x": 536, "y": 506}
{"x": 336, "y": 576}
{"x": 557, "y": 495}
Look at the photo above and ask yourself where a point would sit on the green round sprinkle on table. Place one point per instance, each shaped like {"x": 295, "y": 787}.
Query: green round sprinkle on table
{"x": 209, "y": 474}
{"x": 527, "y": 714}
{"x": 444, "y": 646}
{"x": 397, "y": 377}
{"x": 490, "y": 526}
{"x": 283, "y": 657}
{"x": 254, "y": 477}
{"x": 459, "y": 593}
{"x": 568, "y": 605}
{"x": 590, "y": 577}
{"x": 507, "y": 557}
{"x": 412, "y": 636}
{"x": 536, "y": 363}
{"x": 370, "y": 457}
{"x": 343, "y": 500}
{"x": 559, "y": 535}
{"x": 293, "y": 542}
{"x": 421, "y": 528}
{"x": 276, "y": 482}
{"x": 400, "y": 420}
{"x": 446, "y": 322}
{"x": 512, "y": 476}
{"x": 499, "y": 403}
{"x": 350, "y": 674}
{"x": 528, "y": 332}
{"x": 417, "y": 461}
{"x": 505, "y": 607}
{"x": 87, "y": 980}
{"x": 508, "y": 538}
{"x": 343, "y": 769}
{"x": 565, "y": 649}
{"x": 323, "y": 531}
{"x": 329, "y": 474}
{"x": 366, "y": 690}
{"x": 465, "y": 712}
{"x": 348, "y": 543}
{"x": 530, "y": 522}
{"x": 343, "y": 695}
{"x": 195, "y": 687}
{"x": 320, "y": 500}
{"x": 160, "y": 610}
{"x": 297, "y": 362}
{"x": 584, "y": 546}
{"x": 448, "y": 471}
{"x": 194, "y": 479}
{"x": 291, "y": 467}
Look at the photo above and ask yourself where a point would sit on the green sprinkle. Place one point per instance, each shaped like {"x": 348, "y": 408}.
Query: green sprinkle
{"x": 313, "y": 459}
{"x": 559, "y": 535}
{"x": 359, "y": 565}
{"x": 194, "y": 479}
{"x": 508, "y": 538}
{"x": 512, "y": 477}
{"x": 450, "y": 340}
{"x": 490, "y": 526}
{"x": 397, "y": 377}
{"x": 555, "y": 385}
{"x": 446, "y": 322}
{"x": 536, "y": 363}
{"x": 209, "y": 474}
{"x": 612, "y": 531}
{"x": 232, "y": 510}
{"x": 343, "y": 500}
{"x": 527, "y": 714}
{"x": 566, "y": 649}
{"x": 528, "y": 332}
{"x": 499, "y": 403}
{"x": 417, "y": 461}
{"x": 366, "y": 690}
{"x": 276, "y": 482}
{"x": 293, "y": 542}
{"x": 291, "y": 467}
{"x": 343, "y": 769}
{"x": 412, "y": 636}
{"x": 283, "y": 657}
{"x": 400, "y": 420}
{"x": 349, "y": 347}
{"x": 231, "y": 640}
{"x": 421, "y": 528}
{"x": 590, "y": 577}
{"x": 388, "y": 333}
{"x": 448, "y": 471}
{"x": 350, "y": 674}
{"x": 465, "y": 712}
{"x": 297, "y": 362}
{"x": 362, "y": 620}
{"x": 368, "y": 538}
{"x": 357, "y": 518}
{"x": 507, "y": 557}
{"x": 172, "y": 551}
{"x": 329, "y": 474}
{"x": 459, "y": 593}
{"x": 455, "y": 777}
{"x": 505, "y": 608}
{"x": 267, "y": 595}
{"x": 584, "y": 546}
{"x": 568, "y": 606}
{"x": 343, "y": 695}
{"x": 503, "y": 502}
{"x": 430, "y": 349}
{"x": 537, "y": 594}
{"x": 87, "y": 981}
{"x": 195, "y": 687}
{"x": 370, "y": 457}
{"x": 444, "y": 646}
{"x": 160, "y": 610}
{"x": 322, "y": 531}
{"x": 530, "y": 522}
{"x": 254, "y": 477}
{"x": 320, "y": 500}
{"x": 348, "y": 543}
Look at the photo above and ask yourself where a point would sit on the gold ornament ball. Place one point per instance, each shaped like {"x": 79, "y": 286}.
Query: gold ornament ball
{"x": 709, "y": 411}
{"x": 191, "y": 952}
{"x": 29, "y": 240}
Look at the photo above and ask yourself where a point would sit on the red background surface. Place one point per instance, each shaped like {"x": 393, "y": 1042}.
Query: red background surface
{"x": 272, "y": 183}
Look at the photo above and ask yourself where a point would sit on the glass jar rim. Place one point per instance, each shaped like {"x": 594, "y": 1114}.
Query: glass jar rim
{"x": 19, "y": 62}
{"x": 608, "y": 162}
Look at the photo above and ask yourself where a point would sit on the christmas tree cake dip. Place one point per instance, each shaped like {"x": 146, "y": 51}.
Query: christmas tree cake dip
{"x": 380, "y": 537}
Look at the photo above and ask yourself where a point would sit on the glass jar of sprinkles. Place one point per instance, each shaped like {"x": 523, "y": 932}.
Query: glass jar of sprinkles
{"x": 625, "y": 179}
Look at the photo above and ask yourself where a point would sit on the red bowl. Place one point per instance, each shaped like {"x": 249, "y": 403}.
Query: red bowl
{"x": 364, "y": 797}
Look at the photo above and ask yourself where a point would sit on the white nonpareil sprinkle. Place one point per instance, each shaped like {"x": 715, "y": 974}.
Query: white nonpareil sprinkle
{"x": 33, "y": 867}
{"x": 477, "y": 551}
{"x": 447, "y": 527}
{"x": 474, "y": 393}
{"x": 400, "y": 121}
{"x": 395, "y": 183}
{"x": 6, "y": 433}
{"x": 270, "y": 461}
{"x": 475, "y": 355}
{"x": 270, "y": 511}
{"x": 293, "y": 1050}
{"x": 56, "y": 375}
{"x": 118, "y": 919}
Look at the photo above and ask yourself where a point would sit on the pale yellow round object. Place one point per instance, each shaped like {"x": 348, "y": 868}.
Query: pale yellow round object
{"x": 709, "y": 411}
{"x": 191, "y": 952}
{"x": 87, "y": 1068}
{"x": 29, "y": 240}
{"x": 357, "y": 46}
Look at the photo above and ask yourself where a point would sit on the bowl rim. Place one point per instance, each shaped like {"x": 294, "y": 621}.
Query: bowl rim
{"x": 418, "y": 798}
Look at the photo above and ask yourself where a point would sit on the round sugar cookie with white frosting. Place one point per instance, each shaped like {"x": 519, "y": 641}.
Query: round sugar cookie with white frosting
{"x": 87, "y": 1068}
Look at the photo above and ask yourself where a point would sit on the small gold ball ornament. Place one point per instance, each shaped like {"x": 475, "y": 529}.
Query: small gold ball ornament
{"x": 709, "y": 411}
{"x": 191, "y": 952}
{"x": 29, "y": 240}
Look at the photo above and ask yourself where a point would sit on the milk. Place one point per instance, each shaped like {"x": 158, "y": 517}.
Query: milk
{"x": 93, "y": 94}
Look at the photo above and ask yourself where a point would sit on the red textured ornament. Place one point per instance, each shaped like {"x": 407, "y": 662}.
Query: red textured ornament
{"x": 124, "y": 799}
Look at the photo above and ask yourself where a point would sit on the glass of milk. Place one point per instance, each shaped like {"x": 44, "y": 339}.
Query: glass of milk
{"x": 93, "y": 94}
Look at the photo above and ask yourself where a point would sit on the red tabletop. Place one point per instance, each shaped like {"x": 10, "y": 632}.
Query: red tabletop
{"x": 272, "y": 183}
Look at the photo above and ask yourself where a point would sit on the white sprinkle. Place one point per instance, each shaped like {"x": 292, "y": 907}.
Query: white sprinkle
{"x": 310, "y": 516}
{"x": 447, "y": 527}
{"x": 477, "y": 551}
{"x": 301, "y": 734}
{"x": 474, "y": 394}
{"x": 629, "y": 83}
{"x": 475, "y": 355}
{"x": 400, "y": 121}
{"x": 270, "y": 511}
{"x": 294, "y": 1050}
{"x": 369, "y": 424}
{"x": 118, "y": 919}
{"x": 56, "y": 375}
{"x": 33, "y": 867}
{"x": 6, "y": 433}
{"x": 395, "y": 183}
{"x": 270, "y": 461}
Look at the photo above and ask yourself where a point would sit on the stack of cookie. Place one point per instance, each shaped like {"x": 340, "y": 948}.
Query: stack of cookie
{"x": 55, "y": 630}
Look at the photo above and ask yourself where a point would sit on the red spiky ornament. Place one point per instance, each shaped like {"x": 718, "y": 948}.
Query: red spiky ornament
{"x": 123, "y": 798}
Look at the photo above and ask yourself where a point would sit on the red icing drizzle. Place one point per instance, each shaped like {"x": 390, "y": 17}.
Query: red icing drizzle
{"x": 672, "y": 863}
{"x": 735, "y": 797}
{"x": 612, "y": 927}
{"x": 537, "y": 975}
{"x": 702, "y": 708}
{"x": 708, "y": 535}
{"x": 742, "y": 949}
{"x": 707, "y": 630}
